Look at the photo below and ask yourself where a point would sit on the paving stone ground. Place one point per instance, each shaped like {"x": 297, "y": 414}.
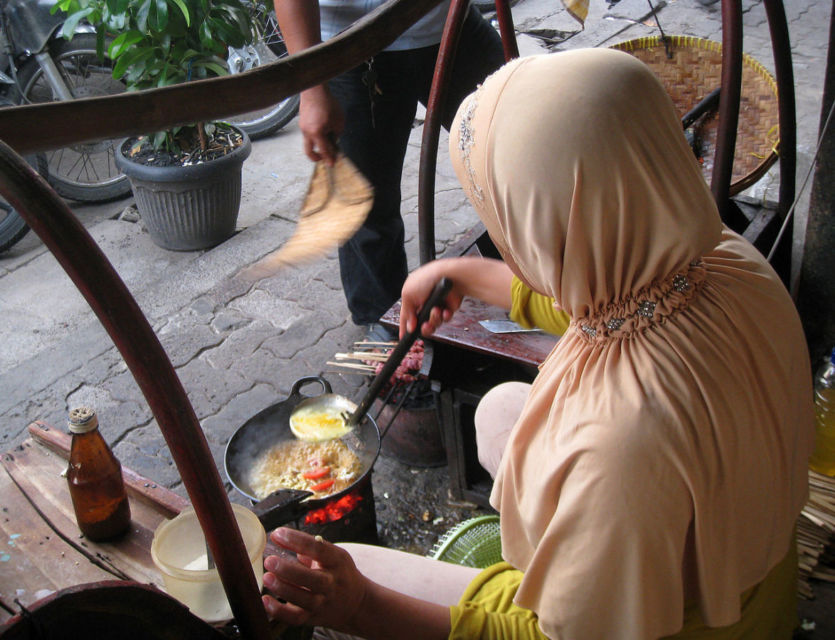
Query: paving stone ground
{"x": 238, "y": 347}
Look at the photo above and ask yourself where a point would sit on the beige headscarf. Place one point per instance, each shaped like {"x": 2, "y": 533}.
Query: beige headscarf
{"x": 661, "y": 457}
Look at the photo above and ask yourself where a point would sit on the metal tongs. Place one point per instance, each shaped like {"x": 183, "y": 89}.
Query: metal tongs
{"x": 435, "y": 300}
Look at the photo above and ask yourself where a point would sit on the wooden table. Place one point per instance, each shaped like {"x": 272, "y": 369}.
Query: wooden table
{"x": 42, "y": 550}
{"x": 463, "y": 332}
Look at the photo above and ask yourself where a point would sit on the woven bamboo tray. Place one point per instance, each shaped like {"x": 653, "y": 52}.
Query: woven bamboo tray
{"x": 695, "y": 70}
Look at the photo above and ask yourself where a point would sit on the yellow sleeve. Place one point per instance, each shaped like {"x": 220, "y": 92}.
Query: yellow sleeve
{"x": 531, "y": 309}
{"x": 474, "y": 622}
{"x": 486, "y": 610}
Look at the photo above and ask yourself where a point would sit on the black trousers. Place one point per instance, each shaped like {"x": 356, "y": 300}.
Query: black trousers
{"x": 378, "y": 124}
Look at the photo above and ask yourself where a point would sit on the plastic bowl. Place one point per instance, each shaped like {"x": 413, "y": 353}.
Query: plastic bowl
{"x": 179, "y": 552}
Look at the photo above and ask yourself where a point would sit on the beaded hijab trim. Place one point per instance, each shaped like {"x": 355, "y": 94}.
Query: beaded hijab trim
{"x": 466, "y": 140}
{"x": 649, "y": 307}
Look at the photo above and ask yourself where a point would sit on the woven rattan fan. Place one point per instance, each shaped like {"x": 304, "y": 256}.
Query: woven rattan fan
{"x": 473, "y": 543}
{"x": 337, "y": 203}
{"x": 691, "y": 73}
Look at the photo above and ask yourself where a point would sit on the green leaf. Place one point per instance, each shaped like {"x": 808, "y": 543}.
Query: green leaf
{"x": 63, "y": 5}
{"x": 159, "y": 139}
{"x": 227, "y": 35}
{"x": 161, "y": 21}
{"x": 117, "y": 22}
{"x": 243, "y": 20}
{"x": 213, "y": 68}
{"x": 71, "y": 23}
{"x": 117, "y": 7}
{"x": 204, "y": 69}
{"x": 132, "y": 58}
{"x": 100, "y": 42}
{"x": 184, "y": 9}
{"x": 142, "y": 15}
{"x": 206, "y": 36}
{"x": 123, "y": 42}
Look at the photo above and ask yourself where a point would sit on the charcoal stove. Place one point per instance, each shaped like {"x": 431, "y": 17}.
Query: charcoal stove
{"x": 347, "y": 517}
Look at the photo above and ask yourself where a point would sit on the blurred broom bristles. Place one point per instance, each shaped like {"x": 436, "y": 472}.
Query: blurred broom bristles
{"x": 815, "y": 530}
{"x": 337, "y": 203}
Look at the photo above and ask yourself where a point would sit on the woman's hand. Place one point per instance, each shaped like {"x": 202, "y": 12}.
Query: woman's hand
{"x": 320, "y": 587}
{"x": 486, "y": 279}
{"x": 417, "y": 289}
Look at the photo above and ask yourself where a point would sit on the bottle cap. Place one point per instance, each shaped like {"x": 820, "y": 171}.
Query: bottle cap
{"x": 82, "y": 420}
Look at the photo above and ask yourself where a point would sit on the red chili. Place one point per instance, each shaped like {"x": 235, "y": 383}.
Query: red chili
{"x": 315, "y": 474}
{"x": 316, "y": 488}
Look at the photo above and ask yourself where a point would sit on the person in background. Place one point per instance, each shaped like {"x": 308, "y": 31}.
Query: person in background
{"x": 368, "y": 113}
{"x": 651, "y": 483}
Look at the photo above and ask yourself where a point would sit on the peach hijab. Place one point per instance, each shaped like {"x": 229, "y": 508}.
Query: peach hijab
{"x": 661, "y": 457}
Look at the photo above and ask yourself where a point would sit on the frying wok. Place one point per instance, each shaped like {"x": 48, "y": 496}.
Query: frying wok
{"x": 272, "y": 426}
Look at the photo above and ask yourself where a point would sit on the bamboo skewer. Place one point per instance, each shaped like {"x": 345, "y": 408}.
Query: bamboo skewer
{"x": 375, "y": 343}
{"x": 365, "y": 359}
{"x": 347, "y": 372}
{"x": 370, "y": 368}
{"x": 362, "y": 355}
{"x": 376, "y": 352}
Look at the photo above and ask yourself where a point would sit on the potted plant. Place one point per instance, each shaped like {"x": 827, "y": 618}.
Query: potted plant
{"x": 186, "y": 180}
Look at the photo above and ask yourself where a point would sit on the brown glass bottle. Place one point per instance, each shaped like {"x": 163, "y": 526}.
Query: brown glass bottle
{"x": 95, "y": 480}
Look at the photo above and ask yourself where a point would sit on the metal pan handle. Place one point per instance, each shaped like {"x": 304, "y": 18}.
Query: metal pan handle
{"x": 436, "y": 299}
{"x": 296, "y": 394}
{"x": 281, "y": 507}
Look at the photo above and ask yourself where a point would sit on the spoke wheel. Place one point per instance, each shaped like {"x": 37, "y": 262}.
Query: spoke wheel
{"x": 85, "y": 172}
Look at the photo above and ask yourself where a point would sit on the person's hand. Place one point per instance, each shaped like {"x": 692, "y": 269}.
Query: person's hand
{"x": 321, "y": 121}
{"x": 417, "y": 289}
{"x": 320, "y": 587}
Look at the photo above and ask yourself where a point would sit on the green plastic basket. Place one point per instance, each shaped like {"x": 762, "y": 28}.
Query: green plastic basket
{"x": 473, "y": 543}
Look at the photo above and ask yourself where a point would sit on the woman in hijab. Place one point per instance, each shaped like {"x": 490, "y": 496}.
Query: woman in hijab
{"x": 650, "y": 485}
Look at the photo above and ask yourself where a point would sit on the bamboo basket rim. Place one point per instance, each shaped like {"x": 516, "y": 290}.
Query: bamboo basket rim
{"x": 757, "y": 140}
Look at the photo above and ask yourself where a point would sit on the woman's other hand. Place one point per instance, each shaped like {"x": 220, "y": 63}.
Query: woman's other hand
{"x": 321, "y": 586}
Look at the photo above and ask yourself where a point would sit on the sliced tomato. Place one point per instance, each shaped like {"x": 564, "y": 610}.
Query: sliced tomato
{"x": 315, "y": 474}
{"x": 326, "y": 484}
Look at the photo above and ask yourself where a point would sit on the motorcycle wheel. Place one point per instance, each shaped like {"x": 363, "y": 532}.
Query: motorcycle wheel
{"x": 85, "y": 172}
{"x": 267, "y": 47}
{"x": 12, "y": 226}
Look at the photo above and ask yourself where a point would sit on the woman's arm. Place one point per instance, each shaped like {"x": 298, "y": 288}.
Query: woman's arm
{"x": 486, "y": 279}
{"x": 321, "y": 586}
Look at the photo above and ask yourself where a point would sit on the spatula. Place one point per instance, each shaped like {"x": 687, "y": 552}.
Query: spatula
{"x": 398, "y": 353}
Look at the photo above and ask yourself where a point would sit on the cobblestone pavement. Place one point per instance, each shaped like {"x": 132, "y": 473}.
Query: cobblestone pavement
{"x": 238, "y": 348}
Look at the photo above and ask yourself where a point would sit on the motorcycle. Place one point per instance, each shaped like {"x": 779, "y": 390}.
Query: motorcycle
{"x": 267, "y": 46}
{"x": 12, "y": 226}
{"x": 40, "y": 65}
